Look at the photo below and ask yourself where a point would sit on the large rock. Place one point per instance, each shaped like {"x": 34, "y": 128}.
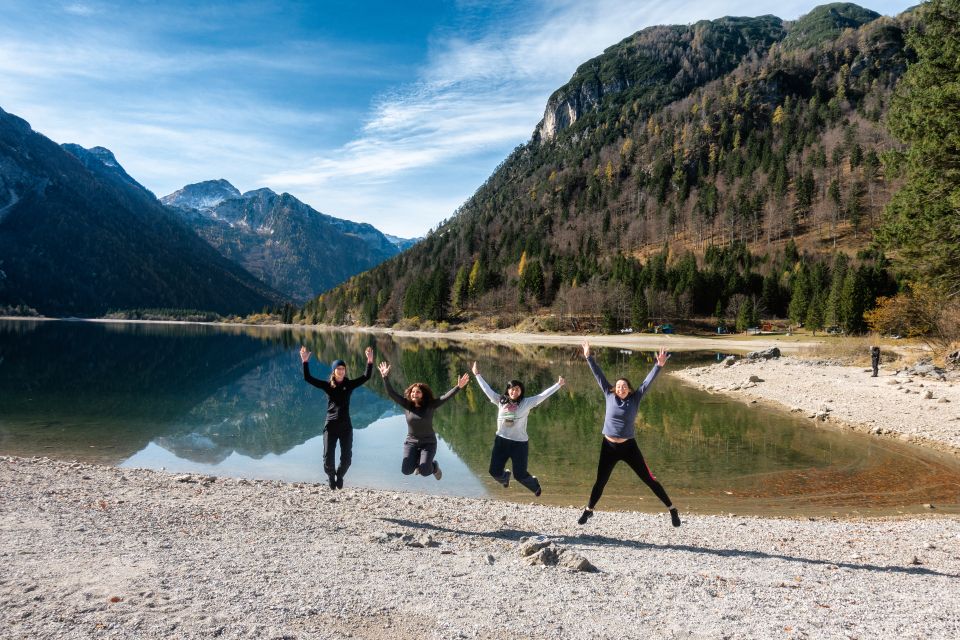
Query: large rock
{"x": 765, "y": 354}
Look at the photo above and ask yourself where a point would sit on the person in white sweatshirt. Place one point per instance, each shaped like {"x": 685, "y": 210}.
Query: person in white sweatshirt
{"x": 512, "y": 442}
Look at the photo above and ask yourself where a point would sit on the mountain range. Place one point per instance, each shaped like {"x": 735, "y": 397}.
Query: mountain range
{"x": 684, "y": 168}
{"x": 80, "y": 237}
{"x": 76, "y": 241}
{"x": 279, "y": 239}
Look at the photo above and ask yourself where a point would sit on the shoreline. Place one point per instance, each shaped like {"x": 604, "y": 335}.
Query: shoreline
{"x": 901, "y": 404}
{"x": 729, "y": 344}
{"x": 133, "y": 553}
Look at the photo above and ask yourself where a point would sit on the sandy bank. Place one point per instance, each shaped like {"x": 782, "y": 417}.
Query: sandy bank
{"x": 93, "y": 551}
{"x": 638, "y": 341}
{"x": 919, "y": 409}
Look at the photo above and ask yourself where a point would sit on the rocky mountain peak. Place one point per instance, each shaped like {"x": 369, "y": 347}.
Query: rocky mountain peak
{"x": 202, "y": 195}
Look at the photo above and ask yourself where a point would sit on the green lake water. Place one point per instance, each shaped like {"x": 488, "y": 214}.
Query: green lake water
{"x": 232, "y": 401}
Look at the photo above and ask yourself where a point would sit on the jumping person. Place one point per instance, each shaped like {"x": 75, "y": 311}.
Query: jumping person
{"x": 619, "y": 441}
{"x": 512, "y": 441}
{"x": 338, "y": 427}
{"x": 875, "y": 359}
{"x": 418, "y": 404}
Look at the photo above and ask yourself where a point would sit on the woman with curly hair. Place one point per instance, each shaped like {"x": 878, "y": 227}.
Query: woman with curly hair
{"x": 419, "y": 405}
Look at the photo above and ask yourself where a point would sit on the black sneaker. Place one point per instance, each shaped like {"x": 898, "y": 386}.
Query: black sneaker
{"x": 339, "y": 481}
{"x": 333, "y": 481}
{"x": 436, "y": 470}
{"x": 674, "y": 517}
{"x": 586, "y": 515}
{"x": 505, "y": 478}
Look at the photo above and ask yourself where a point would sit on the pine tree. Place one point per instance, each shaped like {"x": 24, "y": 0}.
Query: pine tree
{"x": 922, "y": 220}
{"x": 800, "y": 295}
{"x": 461, "y": 289}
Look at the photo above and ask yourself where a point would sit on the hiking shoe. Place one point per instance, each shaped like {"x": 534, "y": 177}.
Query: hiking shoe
{"x": 505, "y": 478}
{"x": 674, "y": 517}
{"x": 339, "y": 482}
{"x": 333, "y": 481}
{"x": 586, "y": 515}
{"x": 436, "y": 471}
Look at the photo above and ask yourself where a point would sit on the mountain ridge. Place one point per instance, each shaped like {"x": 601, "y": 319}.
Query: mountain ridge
{"x": 82, "y": 241}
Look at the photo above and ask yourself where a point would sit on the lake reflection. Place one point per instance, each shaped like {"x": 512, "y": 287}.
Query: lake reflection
{"x": 232, "y": 401}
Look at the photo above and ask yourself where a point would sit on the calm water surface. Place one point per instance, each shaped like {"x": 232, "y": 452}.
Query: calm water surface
{"x": 232, "y": 401}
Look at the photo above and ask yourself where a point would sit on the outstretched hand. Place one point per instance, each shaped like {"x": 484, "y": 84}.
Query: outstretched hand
{"x": 476, "y": 369}
{"x": 561, "y": 381}
{"x": 304, "y": 354}
{"x": 464, "y": 380}
{"x": 662, "y": 357}
{"x": 384, "y": 369}
{"x": 369, "y": 352}
{"x": 586, "y": 349}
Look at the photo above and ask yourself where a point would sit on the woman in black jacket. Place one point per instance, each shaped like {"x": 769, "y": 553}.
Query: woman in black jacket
{"x": 338, "y": 426}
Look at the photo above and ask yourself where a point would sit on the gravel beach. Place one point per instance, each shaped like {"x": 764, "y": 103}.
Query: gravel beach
{"x": 100, "y": 552}
{"x": 923, "y": 408}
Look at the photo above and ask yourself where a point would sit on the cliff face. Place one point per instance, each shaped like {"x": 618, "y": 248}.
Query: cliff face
{"x": 656, "y": 66}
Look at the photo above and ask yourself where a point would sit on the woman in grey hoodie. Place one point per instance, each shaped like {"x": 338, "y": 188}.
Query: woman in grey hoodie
{"x": 619, "y": 431}
{"x": 512, "y": 441}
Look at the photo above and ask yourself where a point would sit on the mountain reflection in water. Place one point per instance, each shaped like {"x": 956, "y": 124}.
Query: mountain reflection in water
{"x": 232, "y": 401}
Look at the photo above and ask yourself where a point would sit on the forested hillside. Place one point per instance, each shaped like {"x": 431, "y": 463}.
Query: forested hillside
{"x": 733, "y": 168}
{"x": 80, "y": 237}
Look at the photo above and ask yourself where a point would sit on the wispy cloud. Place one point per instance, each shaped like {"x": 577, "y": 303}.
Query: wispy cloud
{"x": 182, "y": 97}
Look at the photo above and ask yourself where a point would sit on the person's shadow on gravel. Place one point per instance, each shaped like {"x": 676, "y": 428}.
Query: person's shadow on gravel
{"x": 598, "y": 540}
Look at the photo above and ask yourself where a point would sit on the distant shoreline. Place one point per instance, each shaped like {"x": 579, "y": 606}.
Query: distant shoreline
{"x": 640, "y": 342}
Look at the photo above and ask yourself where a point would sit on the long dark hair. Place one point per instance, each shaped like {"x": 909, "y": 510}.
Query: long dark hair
{"x": 424, "y": 389}
{"x": 505, "y": 397}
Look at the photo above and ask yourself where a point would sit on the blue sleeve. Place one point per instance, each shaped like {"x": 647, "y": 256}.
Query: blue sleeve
{"x": 598, "y": 374}
{"x": 649, "y": 379}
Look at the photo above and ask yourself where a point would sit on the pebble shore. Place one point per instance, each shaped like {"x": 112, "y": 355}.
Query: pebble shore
{"x": 922, "y": 408}
{"x": 100, "y": 552}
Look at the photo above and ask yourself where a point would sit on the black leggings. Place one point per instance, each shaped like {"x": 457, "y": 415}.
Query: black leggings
{"x": 333, "y": 433}
{"x": 613, "y": 452}
{"x": 418, "y": 456}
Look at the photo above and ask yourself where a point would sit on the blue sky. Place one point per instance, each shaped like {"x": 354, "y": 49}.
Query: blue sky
{"x": 391, "y": 113}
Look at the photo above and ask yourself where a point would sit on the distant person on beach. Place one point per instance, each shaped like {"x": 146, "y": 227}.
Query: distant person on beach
{"x": 338, "y": 427}
{"x": 511, "y": 441}
{"x": 419, "y": 405}
{"x": 619, "y": 440}
{"x": 875, "y": 360}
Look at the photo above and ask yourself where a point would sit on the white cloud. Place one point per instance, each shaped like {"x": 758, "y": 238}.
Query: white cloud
{"x": 423, "y": 148}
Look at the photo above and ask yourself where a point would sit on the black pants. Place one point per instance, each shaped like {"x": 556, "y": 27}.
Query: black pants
{"x": 518, "y": 452}
{"x": 416, "y": 455}
{"x": 333, "y": 433}
{"x": 613, "y": 452}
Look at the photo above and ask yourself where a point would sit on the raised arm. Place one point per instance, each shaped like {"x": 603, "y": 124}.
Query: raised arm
{"x": 461, "y": 383}
{"x": 356, "y": 382}
{"x": 305, "y": 359}
{"x": 396, "y": 397}
{"x": 533, "y": 401}
{"x": 595, "y": 368}
{"x": 492, "y": 395}
{"x": 661, "y": 362}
